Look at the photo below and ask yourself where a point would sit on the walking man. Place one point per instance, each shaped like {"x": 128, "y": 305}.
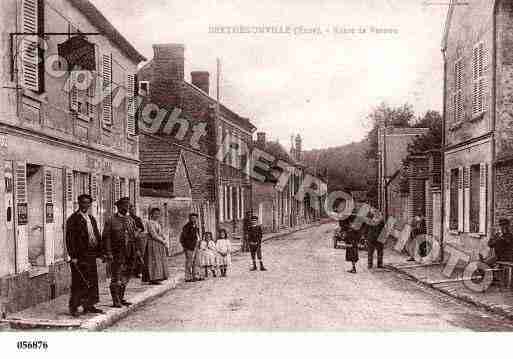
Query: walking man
{"x": 255, "y": 243}
{"x": 119, "y": 237}
{"x": 189, "y": 239}
{"x": 83, "y": 246}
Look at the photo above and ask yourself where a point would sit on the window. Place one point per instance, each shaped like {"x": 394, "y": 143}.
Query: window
{"x": 131, "y": 105}
{"x": 32, "y": 55}
{"x": 144, "y": 88}
{"x": 458, "y": 109}
{"x": 107, "y": 83}
{"x": 453, "y": 199}
{"x": 474, "y": 201}
{"x": 478, "y": 80}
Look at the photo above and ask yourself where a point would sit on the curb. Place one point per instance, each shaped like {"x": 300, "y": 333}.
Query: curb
{"x": 502, "y": 310}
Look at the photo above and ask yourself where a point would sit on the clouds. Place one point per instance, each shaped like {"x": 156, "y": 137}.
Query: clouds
{"x": 323, "y": 85}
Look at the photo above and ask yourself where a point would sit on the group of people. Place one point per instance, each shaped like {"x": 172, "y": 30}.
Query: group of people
{"x": 130, "y": 247}
{"x": 354, "y": 233}
{"x": 133, "y": 247}
{"x": 207, "y": 255}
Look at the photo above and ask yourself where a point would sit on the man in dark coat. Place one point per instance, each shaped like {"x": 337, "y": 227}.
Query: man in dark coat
{"x": 189, "y": 239}
{"x": 119, "y": 238}
{"x": 255, "y": 243}
{"x": 139, "y": 229}
{"x": 83, "y": 246}
{"x": 374, "y": 242}
{"x": 502, "y": 245}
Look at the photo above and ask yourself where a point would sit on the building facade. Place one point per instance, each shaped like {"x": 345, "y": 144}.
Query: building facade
{"x": 214, "y": 183}
{"x": 58, "y": 139}
{"x": 477, "y": 122}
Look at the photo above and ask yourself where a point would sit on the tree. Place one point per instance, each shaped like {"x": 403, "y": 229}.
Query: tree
{"x": 384, "y": 115}
{"x": 433, "y": 138}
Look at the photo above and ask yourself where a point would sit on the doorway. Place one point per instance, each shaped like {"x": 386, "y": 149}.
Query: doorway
{"x": 35, "y": 215}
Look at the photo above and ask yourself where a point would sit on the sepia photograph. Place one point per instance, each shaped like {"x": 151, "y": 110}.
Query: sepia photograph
{"x": 256, "y": 173}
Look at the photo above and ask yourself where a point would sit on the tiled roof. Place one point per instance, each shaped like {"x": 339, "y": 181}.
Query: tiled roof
{"x": 105, "y": 27}
{"x": 159, "y": 160}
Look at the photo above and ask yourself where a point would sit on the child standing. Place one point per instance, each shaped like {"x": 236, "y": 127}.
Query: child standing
{"x": 206, "y": 254}
{"x": 224, "y": 249}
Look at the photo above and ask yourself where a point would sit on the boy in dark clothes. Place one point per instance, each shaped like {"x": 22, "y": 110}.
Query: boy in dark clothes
{"x": 255, "y": 243}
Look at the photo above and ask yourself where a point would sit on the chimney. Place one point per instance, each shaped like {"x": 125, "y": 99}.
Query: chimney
{"x": 201, "y": 79}
{"x": 168, "y": 75}
{"x": 299, "y": 149}
{"x": 261, "y": 139}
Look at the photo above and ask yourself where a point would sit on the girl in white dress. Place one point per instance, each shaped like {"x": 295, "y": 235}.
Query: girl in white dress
{"x": 224, "y": 249}
{"x": 207, "y": 254}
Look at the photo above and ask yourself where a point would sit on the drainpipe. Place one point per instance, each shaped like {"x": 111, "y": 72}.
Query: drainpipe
{"x": 493, "y": 113}
{"x": 442, "y": 160}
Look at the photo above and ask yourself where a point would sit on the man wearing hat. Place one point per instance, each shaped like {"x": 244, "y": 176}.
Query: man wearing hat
{"x": 83, "y": 247}
{"x": 501, "y": 243}
{"x": 255, "y": 243}
{"x": 119, "y": 237}
{"x": 189, "y": 239}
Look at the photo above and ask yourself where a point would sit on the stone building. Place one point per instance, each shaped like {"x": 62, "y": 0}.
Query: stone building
{"x": 478, "y": 134}
{"x": 162, "y": 81}
{"x": 62, "y": 133}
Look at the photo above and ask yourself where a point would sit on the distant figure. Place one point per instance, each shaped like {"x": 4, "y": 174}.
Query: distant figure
{"x": 208, "y": 254}
{"x": 141, "y": 239}
{"x": 119, "y": 237}
{"x": 418, "y": 229}
{"x": 189, "y": 239}
{"x": 155, "y": 258}
{"x": 255, "y": 243}
{"x": 224, "y": 248}
{"x": 374, "y": 244}
{"x": 83, "y": 246}
{"x": 245, "y": 231}
{"x": 501, "y": 245}
{"x": 352, "y": 238}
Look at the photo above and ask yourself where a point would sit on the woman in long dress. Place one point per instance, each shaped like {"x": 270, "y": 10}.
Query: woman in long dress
{"x": 224, "y": 248}
{"x": 155, "y": 257}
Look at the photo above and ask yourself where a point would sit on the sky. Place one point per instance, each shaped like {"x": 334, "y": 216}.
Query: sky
{"x": 320, "y": 85}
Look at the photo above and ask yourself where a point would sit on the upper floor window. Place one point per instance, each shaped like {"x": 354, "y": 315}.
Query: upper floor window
{"x": 32, "y": 64}
{"x": 458, "y": 109}
{"x": 478, "y": 79}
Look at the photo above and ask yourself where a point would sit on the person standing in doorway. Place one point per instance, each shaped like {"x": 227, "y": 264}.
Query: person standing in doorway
{"x": 189, "y": 240}
{"x": 141, "y": 239}
{"x": 119, "y": 237}
{"x": 255, "y": 243}
{"x": 155, "y": 258}
{"x": 83, "y": 246}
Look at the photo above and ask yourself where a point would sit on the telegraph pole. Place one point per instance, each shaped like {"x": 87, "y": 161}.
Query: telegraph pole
{"x": 218, "y": 142}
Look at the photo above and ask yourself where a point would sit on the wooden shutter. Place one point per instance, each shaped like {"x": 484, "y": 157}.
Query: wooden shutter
{"x": 467, "y": 204}
{"x": 21, "y": 182}
{"x": 91, "y": 98}
{"x": 68, "y": 191}
{"x": 48, "y": 187}
{"x": 73, "y": 93}
{"x": 94, "y": 186}
{"x": 32, "y": 22}
{"x": 130, "y": 88}
{"x": 483, "y": 189}
{"x": 460, "y": 199}
{"x": 117, "y": 188}
{"x": 106, "y": 86}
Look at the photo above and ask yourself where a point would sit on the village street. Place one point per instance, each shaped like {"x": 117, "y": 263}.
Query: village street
{"x": 307, "y": 287}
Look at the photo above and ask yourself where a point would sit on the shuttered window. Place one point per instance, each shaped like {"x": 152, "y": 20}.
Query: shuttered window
{"x": 131, "y": 105}
{"x": 483, "y": 192}
{"x": 48, "y": 187}
{"x": 467, "y": 197}
{"x": 21, "y": 182}
{"x": 475, "y": 184}
{"x": 460, "y": 200}
{"x": 453, "y": 200}
{"x": 32, "y": 53}
{"x": 91, "y": 99}
{"x": 94, "y": 186}
{"x": 458, "y": 108}
{"x": 479, "y": 85}
{"x": 106, "y": 87}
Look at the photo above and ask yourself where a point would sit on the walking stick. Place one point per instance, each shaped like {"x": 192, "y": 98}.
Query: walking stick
{"x": 81, "y": 275}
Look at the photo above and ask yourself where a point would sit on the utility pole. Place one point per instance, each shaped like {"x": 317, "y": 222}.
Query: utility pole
{"x": 218, "y": 142}
{"x": 385, "y": 168}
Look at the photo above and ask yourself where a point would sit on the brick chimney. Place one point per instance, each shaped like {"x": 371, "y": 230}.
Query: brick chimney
{"x": 261, "y": 139}
{"x": 201, "y": 79}
{"x": 299, "y": 148}
{"x": 168, "y": 75}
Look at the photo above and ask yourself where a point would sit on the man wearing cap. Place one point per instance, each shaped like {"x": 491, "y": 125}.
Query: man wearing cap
{"x": 189, "y": 239}
{"x": 501, "y": 243}
{"x": 255, "y": 243}
{"x": 119, "y": 237}
{"x": 83, "y": 247}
